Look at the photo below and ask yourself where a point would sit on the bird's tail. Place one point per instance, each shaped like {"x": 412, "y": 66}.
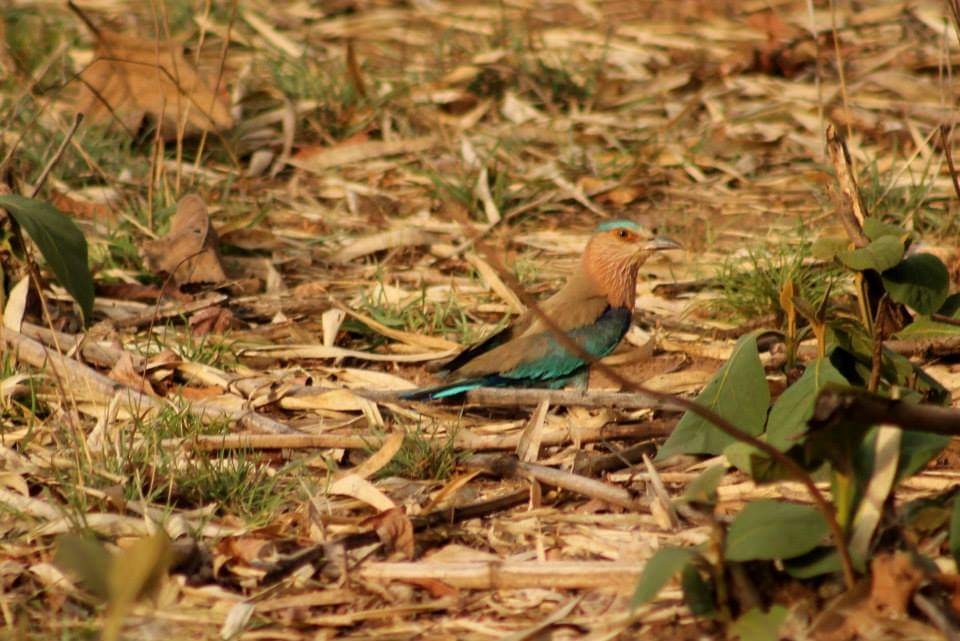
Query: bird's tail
{"x": 440, "y": 392}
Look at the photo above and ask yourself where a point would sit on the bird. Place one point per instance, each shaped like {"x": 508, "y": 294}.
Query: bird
{"x": 594, "y": 308}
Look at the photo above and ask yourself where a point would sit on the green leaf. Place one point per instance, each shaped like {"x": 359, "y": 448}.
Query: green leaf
{"x": 789, "y": 415}
{"x": 916, "y": 450}
{"x": 881, "y": 254}
{"x": 703, "y": 489}
{"x": 955, "y": 530}
{"x": 817, "y": 562}
{"x": 738, "y": 393}
{"x": 951, "y": 306}
{"x": 828, "y": 248}
{"x": 755, "y": 463}
{"x": 757, "y": 625}
{"x": 661, "y": 567}
{"x": 697, "y": 593}
{"x": 136, "y": 572}
{"x": 87, "y": 559}
{"x": 921, "y": 282}
{"x": 60, "y": 241}
{"x": 926, "y": 328}
{"x": 774, "y": 530}
{"x": 874, "y": 228}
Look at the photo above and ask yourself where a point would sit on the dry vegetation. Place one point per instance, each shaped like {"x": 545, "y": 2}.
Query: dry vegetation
{"x": 355, "y": 158}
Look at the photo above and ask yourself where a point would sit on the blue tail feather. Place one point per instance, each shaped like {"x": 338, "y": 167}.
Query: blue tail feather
{"x": 453, "y": 390}
{"x": 441, "y": 391}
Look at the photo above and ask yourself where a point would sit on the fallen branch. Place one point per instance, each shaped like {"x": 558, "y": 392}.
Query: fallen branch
{"x": 510, "y": 467}
{"x": 511, "y": 575}
{"x": 835, "y": 404}
{"x": 510, "y": 397}
{"x": 86, "y": 382}
{"x": 464, "y": 440}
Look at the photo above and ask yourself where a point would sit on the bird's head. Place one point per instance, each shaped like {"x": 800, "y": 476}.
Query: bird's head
{"x": 615, "y": 253}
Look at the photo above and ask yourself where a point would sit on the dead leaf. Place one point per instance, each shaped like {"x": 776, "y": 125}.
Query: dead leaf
{"x": 212, "y": 320}
{"x": 895, "y": 578}
{"x": 319, "y": 159}
{"x": 200, "y": 393}
{"x": 249, "y": 548}
{"x": 82, "y": 208}
{"x": 388, "y": 449}
{"x": 16, "y": 305}
{"x": 190, "y": 251}
{"x": 877, "y": 610}
{"x": 395, "y": 530}
{"x": 437, "y": 588}
{"x": 124, "y": 371}
{"x": 133, "y": 77}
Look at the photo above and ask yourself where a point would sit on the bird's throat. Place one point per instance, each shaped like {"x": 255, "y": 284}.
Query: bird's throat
{"x": 614, "y": 275}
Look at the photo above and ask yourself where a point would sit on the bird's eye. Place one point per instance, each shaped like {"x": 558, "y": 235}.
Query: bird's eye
{"x": 623, "y": 233}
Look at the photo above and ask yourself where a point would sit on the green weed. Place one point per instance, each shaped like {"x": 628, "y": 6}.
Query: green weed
{"x": 423, "y": 456}
{"x": 753, "y": 289}
{"x": 909, "y": 205}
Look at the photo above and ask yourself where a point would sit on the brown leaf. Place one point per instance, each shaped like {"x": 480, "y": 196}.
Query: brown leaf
{"x": 214, "y": 320}
{"x": 394, "y": 529}
{"x": 877, "y": 610}
{"x": 190, "y": 250}
{"x": 200, "y": 393}
{"x": 895, "y": 578}
{"x": 124, "y": 371}
{"x": 249, "y": 548}
{"x": 136, "y": 291}
{"x": 437, "y": 588}
{"x": 82, "y": 208}
{"x": 130, "y": 78}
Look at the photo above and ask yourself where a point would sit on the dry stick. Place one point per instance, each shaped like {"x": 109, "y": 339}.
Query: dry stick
{"x": 840, "y": 404}
{"x": 510, "y": 467}
{"x": 877, "y": 355}
{"x": 507, "y": 397}
{"x": 74, "y": 374}
{"x": 446, "y": 516}
{"x": 725, "y": 426}
{"x": 948, "y": 152}
{"x": 463, "y": 440}
{"x": 439, "y": 517}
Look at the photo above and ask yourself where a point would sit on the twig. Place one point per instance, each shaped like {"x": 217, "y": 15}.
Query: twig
{"x": 835, "y": 404}
{"x": 946, "y": 143}
{"x": 503, "y": 575}
{"x": 464, "y": 440}
{"x": 509, "y": 466}
{"x": 937, "y": 616}
{"x": 512, "y": 397}
{"x": 175, "y": 310}
{"x": 55, "y": 158}
{"x": 942, "y": 318}
{"x": 877, "y": 353}
{"x": 81, "y": 379}
{"x": 450, "y": 515}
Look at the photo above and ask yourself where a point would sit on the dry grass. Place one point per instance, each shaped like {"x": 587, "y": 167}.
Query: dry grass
{"x": 366, "y": 135}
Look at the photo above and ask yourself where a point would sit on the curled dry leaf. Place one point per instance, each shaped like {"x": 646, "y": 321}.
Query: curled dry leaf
{"x": 395, "y": 530}
{"x": 124, "y": 371}
{"x": 132, "y": 77}
{"x": 190, "y": 252}
{"x": 212, "y": 320}
{"x": 879, "y": 610}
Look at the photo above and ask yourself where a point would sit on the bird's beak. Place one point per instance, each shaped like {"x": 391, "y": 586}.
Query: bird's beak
{"x": 660, "y": 244}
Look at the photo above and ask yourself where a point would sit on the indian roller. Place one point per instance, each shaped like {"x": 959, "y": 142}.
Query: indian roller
{"x": 594, "y": 308}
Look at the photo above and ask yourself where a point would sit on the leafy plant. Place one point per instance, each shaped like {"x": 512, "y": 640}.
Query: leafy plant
{"x": 60, "y": 241}
{"x": 864, "y": 464}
